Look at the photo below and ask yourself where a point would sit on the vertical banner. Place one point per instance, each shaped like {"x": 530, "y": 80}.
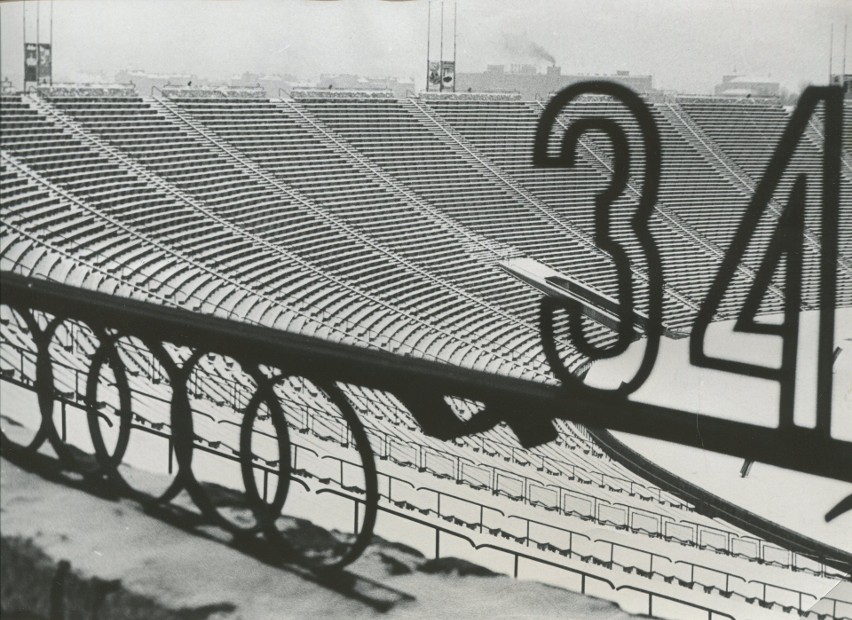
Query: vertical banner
{"x": 45, "y": 62}
{"x": 434, "y": 73}
{"x": 30, "y": 62}
{"x": 448, "y": 74}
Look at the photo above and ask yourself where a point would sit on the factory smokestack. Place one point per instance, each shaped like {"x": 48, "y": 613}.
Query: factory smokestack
{"x": 537, "y": 51}
{"x": 521, "y": 47}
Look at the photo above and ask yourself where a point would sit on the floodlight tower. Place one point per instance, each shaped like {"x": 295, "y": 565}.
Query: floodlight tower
{"x": 38, "y": 56}
{"x": 440, "y": 73}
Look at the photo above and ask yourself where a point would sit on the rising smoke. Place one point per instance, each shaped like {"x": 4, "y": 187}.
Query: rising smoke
{"x": 521, "y": 46}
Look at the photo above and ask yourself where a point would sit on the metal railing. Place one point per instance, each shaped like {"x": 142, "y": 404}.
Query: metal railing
{"x": 396, "y": 505}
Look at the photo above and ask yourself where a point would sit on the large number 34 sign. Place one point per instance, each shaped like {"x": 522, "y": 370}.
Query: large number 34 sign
{"x": 807, "y": 449}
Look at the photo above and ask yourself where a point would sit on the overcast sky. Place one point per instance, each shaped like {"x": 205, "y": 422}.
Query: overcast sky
{"x": 685, "y": 44}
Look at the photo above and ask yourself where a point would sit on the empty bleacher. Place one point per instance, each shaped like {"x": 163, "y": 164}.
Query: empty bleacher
{"x": 748, "y": 132}
{"x": 504, "y": 131}
{"x": 390, "y": 134}
{"x": 281, "y": 141}
{"x": 218, "y": 236}
{"x": 485, "y": 488}
{"x": 380, "y": 222}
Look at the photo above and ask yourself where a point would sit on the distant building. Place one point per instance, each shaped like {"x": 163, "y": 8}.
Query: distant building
{"x": 526, "y": 80}
{"x": 348, "y": 81}
{"x": 744, "y": 86}
{"x": 144, "y": 82}
{"x": 275, "y": 85}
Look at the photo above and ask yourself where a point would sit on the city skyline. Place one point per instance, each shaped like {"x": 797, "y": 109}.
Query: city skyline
{"x": 686, "y": 46}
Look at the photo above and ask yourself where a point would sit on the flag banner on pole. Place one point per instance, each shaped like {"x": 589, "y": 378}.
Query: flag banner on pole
{"x": 45, "y": 62}
{"x": 434, "y": 72}
{"x": 30, "y": 62}
{"x": 448, "y": 73}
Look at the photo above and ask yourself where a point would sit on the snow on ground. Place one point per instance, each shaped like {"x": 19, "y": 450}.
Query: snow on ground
{"x": 791, "y": 499}
{"x": 794, "y": 500}
{"x": 116, "y": 540}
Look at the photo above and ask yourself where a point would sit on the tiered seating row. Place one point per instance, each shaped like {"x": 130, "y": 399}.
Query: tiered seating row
{"x": 748, "y": 134}
{"x": 127, "y": 199}
{"x": 317, "y": 427}
{"x": 392, "y": 137}
{"x": 504, "y": 133}
{"x": 71, "y": 213}
{"x": 277, "y": 138}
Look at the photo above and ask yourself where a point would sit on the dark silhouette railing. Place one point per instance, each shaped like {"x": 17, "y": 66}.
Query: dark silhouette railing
{"x": 803, "y": 445}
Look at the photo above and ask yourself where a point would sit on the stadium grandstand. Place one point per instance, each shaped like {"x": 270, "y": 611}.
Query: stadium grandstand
{"x": 415, "y": 226}
{"x": 576, "y": 328}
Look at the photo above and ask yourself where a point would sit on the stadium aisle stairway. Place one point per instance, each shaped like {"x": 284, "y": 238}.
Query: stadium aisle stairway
{"x": 747, "y": 133}
{"x": 504, "y": 131}
{"x": 27, "y": 134}
{"x": 278, "y": 138}
{"x": 688, "y": 132}
{"x": 208, "y": 175}
{"x": 696, "y": 191}
{"x": 392, "y": 136}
